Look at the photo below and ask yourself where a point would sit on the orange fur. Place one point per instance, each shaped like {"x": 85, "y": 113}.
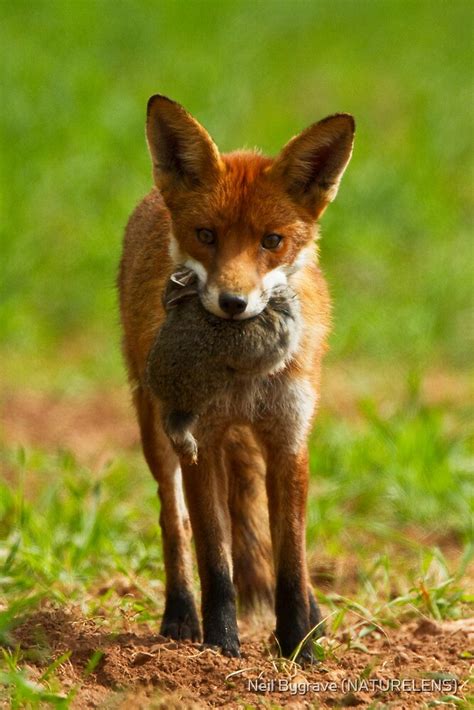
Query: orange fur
{"x": 241, "y": 197}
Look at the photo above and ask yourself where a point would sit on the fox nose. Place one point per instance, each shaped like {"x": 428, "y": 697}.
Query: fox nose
{"x": 232, "y": 304}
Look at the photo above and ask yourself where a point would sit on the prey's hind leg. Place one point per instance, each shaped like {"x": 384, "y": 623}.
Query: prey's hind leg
{"x": 180, "y": 620}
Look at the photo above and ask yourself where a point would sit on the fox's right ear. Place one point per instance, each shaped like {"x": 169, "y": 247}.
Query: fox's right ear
{"x": 183, "y": 153}
{"x": 311, "y": 165}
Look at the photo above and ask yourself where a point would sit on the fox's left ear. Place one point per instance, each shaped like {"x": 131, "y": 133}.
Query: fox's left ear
{"x": 183, "y": 153}
{"x": 312, "y": 164}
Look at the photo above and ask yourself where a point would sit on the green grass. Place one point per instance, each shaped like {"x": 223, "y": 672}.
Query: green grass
{"x": 396, "y": 243}
{"x": 391, "y": 490}
{"x": 386, "y": 494}
{"x": 60, "y": 522}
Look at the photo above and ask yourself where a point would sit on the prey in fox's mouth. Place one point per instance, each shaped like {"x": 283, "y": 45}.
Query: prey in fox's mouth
{"x": 198, "y": 356}
{"x": 231, "y": 306}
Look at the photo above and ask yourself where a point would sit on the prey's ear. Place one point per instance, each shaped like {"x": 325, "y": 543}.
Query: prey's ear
{"x": 312, "y": 164}
{"x": 183, "y": 153}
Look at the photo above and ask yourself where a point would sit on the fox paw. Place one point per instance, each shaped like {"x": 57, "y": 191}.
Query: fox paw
{"x": 228, "y": 646}
{"x": 180, "y": 621}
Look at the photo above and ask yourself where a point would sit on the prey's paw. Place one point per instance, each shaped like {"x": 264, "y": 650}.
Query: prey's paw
{"x": 177, "y": 427}
{"x": 186, "y": 448}
{"x": 180, "y": 621}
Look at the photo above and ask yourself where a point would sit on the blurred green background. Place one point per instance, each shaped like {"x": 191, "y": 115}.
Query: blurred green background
{"x": 76, "y": 77}
{"x": 391, "y": 486}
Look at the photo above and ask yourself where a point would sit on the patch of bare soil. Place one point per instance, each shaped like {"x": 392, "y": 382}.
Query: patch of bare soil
{"x": 345, "y": 384}
{"x": 95, "y": 427}
{"x": 403, "y": 667}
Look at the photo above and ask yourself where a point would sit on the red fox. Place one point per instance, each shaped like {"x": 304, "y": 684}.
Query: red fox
{"x": 245, "y": 224}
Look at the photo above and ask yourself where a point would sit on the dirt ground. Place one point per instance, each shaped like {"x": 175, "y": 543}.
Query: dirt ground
{"x": 403, "y": 667}
{"x": 97, "y": 426}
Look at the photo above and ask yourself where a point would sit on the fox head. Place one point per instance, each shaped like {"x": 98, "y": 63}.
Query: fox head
{"x": 243, "y": 222}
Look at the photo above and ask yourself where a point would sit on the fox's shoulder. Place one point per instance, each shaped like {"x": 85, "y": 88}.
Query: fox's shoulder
{"x": 313, "y": 294}
{"x": 144, "y": 269}
{"x": 315, "y": 304}
{"x": 146, "y": 241}
{"x": 150, "y": 217}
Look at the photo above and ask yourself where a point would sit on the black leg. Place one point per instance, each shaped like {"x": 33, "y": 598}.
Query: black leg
{"x": 219, "y": 612}
{"x": 207, "y": 497}
{"x": 180, "y": 619}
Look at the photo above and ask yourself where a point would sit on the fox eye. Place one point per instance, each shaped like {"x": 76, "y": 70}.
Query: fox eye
{"x": 206, "y": 236}
{"x": 271, "y": 241}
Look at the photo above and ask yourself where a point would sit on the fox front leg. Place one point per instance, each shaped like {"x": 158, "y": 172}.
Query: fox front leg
{"x": 284, "y": 437}
{"x": 206, "y": 490}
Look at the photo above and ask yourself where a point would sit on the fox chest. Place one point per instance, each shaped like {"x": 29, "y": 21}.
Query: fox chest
{"x": 278, "y": 405}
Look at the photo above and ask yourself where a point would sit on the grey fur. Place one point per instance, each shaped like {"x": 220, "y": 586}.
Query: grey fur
{"x": 197, "y": 355}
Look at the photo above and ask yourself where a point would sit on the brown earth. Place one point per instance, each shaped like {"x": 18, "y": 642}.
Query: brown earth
{"x": 141, "y": 669}
{"x": 96, "y": 426}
